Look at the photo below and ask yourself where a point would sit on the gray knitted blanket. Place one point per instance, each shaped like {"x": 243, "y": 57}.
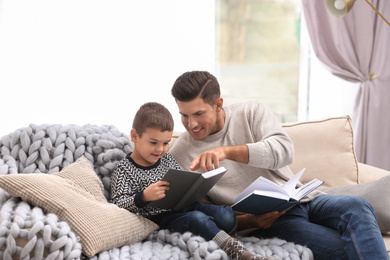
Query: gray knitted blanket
{"x": 49, "y": 148}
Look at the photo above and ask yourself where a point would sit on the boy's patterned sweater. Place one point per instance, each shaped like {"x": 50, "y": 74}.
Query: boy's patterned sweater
{"x": 130, "y": 179}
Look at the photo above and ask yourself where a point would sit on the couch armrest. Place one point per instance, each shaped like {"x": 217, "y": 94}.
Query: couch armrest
{"x": 369, "y": 173}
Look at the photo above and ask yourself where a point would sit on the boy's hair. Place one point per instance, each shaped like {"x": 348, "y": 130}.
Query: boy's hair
{"x": 192, "y": 84}
{"x": 152, "y": 115}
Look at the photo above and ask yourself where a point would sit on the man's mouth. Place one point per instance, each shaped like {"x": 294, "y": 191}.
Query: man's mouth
{"x": 196, "y": 131}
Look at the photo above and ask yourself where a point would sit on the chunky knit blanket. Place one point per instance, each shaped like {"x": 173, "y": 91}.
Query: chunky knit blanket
{"x": 30, "y": 233}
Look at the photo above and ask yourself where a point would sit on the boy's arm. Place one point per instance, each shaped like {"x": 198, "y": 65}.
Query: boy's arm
{"x": 121, "y": 196}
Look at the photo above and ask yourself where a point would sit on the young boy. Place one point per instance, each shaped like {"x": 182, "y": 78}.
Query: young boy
{"x": 136, "y": 181}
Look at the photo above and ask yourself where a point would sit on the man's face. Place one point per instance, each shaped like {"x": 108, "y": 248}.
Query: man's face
{"x": 199, "y": 118}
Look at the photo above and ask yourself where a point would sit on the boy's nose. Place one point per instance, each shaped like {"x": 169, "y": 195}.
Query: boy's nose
{"x": 160, "y": 148}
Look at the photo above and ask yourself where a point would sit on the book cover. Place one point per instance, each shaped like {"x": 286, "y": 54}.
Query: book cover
{"x": 187, "y": 187}
{"x": 264, "y": 196}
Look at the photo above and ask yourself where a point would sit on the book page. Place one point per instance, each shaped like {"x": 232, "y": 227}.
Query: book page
{"x": 290, "y": 185}
{"x": 263, "y": 184}
{"x": 214, "y": 172}
{"x": 273, "y": 194}
{"x": 307, "y": 188}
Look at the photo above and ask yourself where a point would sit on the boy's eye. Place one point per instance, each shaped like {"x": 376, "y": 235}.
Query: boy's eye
{"x": 153, "y": 142}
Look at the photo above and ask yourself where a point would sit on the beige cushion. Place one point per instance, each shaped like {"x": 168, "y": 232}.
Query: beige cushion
{"x": 369, "y": 173}
{"x": 325, "y": 149}
{"x": 376, "y": 192}
{"x": 75, "y": 195}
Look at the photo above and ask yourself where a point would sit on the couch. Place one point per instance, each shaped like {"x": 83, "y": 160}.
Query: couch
{"x": 49, "y": 172}
{"x": 326, "y": 149}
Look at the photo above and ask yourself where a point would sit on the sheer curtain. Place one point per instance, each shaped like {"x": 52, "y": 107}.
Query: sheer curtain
{"x": 355, "y": 48}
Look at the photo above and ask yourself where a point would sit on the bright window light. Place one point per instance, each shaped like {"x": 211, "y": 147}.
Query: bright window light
{"x": 97, "y": 61}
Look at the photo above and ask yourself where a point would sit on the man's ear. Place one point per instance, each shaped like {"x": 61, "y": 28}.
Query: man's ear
{"x": 133, "y": 135}
{"x": 219, "y": 104}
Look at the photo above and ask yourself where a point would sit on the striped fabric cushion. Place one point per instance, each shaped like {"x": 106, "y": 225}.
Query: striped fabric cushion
{"x": 75, "y": 195}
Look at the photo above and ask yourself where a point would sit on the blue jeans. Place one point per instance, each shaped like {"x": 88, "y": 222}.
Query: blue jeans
{"x": 203, "y": 220}
{"x": 333, "y": 227}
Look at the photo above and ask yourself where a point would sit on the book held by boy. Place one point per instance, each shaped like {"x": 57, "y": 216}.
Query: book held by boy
{"x": 264, "y": 196}
{"x": 187, "y": 187}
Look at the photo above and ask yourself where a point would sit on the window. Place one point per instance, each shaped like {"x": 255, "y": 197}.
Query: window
{"x": 258, "y": 53}
{"x": 97, "y": 61}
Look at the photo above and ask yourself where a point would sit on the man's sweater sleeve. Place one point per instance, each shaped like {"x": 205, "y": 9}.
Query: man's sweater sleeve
{"x": 272, "y": 147}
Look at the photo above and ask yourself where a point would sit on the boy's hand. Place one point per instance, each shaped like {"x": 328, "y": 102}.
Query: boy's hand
{"x": 155, "y": 191}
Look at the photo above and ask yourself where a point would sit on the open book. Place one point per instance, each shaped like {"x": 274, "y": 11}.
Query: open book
{"x": 186, "y": 187}
{"x": 264, "y": 195}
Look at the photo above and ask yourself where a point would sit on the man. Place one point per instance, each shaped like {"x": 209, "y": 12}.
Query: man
{"x": 248, "y": 141}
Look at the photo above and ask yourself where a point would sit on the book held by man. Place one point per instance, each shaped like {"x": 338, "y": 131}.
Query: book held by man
{"x": 264, "y": 196}
{"x": 187, "y": 187}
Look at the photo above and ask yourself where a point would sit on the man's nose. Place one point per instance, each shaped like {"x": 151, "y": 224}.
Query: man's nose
{"x": 192, "y": 123}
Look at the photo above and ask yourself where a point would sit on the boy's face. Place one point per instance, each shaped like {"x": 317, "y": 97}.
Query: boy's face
{"x": 200, "y": 119}
{"x": 151, "y": 146}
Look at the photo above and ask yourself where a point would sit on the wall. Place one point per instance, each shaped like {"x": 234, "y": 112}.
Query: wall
{"x": 95, "y": 61}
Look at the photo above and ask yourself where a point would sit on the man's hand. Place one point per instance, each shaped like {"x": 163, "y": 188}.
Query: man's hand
{"x": 263, "y": 221}
{"x": 155, "y": 191}
{"x": 210, "y": 159}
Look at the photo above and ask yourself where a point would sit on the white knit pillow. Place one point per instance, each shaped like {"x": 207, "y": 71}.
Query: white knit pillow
{"x": 75, "y": 195}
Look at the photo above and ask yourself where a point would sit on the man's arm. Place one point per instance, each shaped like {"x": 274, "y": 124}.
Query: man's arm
{"x": 210, "y": 159}
{"x": 263, "y": 221}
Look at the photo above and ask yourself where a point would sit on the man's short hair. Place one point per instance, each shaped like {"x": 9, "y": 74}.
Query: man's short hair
{"x": 192, "y": 84}
{"x": 152, "y": 115}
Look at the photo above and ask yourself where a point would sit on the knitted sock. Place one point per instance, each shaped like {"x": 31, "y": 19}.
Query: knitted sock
{"x": 220, "y": 238}
{"x": 236, "y": 250}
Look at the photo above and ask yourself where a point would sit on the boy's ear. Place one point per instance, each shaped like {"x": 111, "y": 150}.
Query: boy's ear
{"x": 133, "y": 135}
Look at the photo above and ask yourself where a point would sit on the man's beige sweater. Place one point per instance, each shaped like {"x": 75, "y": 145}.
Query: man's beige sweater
{"x": 270, "y": 150}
